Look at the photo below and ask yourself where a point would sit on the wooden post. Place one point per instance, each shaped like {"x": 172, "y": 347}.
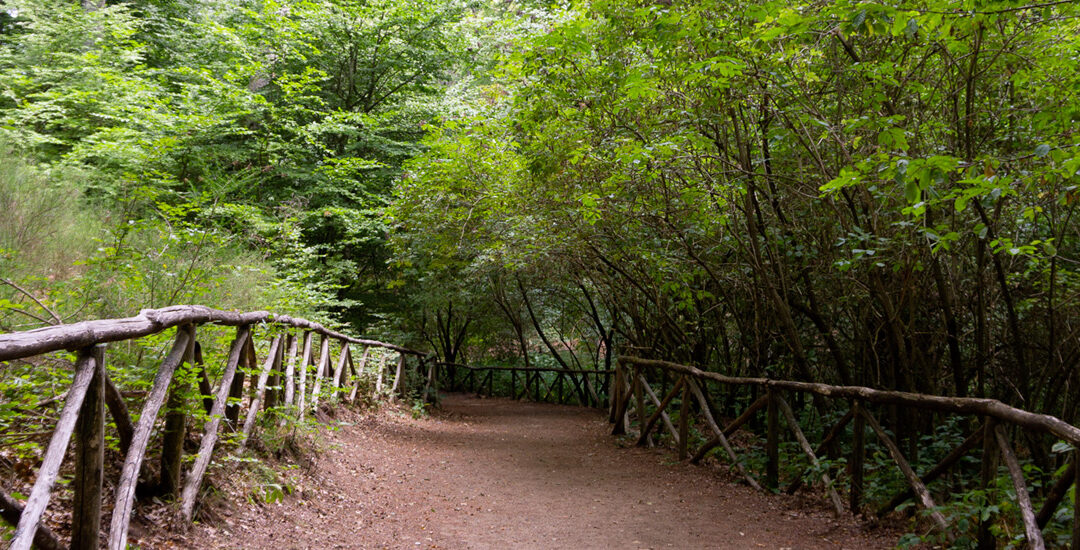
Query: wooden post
{"x": 236, "y": 387}
{"x": 940, "y": 468}
{"x": 290, "y": 371}
{"x": 647, "y": 425}
{"x": 513, "y": 384}
{"x": 321, "y": 371}
{"x": 175, "y": 429}
{"x": 210, "y": 431}
{"x": 1056, "y": 494}
{"x": 858, "y": 456}
{"x": 746, "y": 416}
{"x": 273, "y": 384}
{"x": 559, "y": 385}
{"x": 119, "y": 411}
{"x": 1023, "y": 499}
{"x": 619, "y": 401}
{"x": 793, "y": 423}
{"x": 827, "y": 445}
{"x": 643, "y": 438}
{"x": 704, "y": 403}
{"x": 398, "y": 389}
{"x": 204, "y": 380}
{"x": 772, "y": 443}
{"x": 491, "y": 383}
{"x": 129, "y": 475}
{"x": 684, "y": 420}
{"x": 989, "y": 468}
{"x": 913, "y": 480}
{"x": 429, "y": 380}
{"x": 639, "y": 395}
{"x": 253, "y": 409}
{"x": 89, "y": 460}
{"x": 378, "y": 379}
{"x": 305, "y": 361}
{"x": 1076, "y": 500}
{"x": 359, "y": 374}
{"x": 339, "y": 373}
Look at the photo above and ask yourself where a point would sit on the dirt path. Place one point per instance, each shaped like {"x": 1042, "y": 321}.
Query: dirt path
{"x": 495, "y": 473}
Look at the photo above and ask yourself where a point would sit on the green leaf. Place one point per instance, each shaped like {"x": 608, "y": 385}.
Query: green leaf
{"x": 1042, "y": 150}
{"x": 912, "y": 192}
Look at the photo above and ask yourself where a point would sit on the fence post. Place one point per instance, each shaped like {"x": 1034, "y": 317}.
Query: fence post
{"x": 172, "y": 439}
{"x": 398, "y": 389}
{"x": 129, "y": 475}
{"x": 772, "y": 442}
{"x": 639, "y": 395}
{"x": 305, "y": 361}
{"x": 684, "y": 422}
{"x": 615, "y": 393}
{"x": 89, "y": 460}
{"x": 236, "y": 387}
{"x": 290, "y": 371}
{"x": 1076, "y": 500}
{"x": 989, "y": 472}
{"x": 858, "y": 455}
{"x": 274, "y": 389}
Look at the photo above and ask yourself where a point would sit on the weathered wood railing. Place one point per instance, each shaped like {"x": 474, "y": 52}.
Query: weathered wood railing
{"x": 631, "y": 389}
{"x": 92, "y": 392}
{"x": 588, "y": 388}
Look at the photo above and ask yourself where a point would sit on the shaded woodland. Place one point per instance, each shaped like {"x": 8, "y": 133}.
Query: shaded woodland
{"x": 878, "y": 194}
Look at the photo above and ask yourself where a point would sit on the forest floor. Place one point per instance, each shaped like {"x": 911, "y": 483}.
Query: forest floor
{"x": 496, "y": 473}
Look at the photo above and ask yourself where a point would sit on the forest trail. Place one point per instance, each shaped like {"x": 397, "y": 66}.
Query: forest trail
{"x": 497, "y": 473}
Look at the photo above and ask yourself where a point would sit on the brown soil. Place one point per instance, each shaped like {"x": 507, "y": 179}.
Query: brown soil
{"x": 496, "y": 473}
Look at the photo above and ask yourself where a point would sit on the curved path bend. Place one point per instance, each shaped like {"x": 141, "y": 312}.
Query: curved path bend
{"x": 496, "y": 473}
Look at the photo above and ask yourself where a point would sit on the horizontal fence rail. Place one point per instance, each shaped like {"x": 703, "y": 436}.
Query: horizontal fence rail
{"x": 75, "y": 336}
{"x": 632, "y": 396}
{"x": 277, "y": 381}
{"x": 526, "y": 383}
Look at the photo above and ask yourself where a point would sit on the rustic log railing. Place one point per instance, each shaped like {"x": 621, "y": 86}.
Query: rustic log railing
{"x": 628, "y": 399}
{"x": 92, "y": 393}
{"x": 588, "y": 388}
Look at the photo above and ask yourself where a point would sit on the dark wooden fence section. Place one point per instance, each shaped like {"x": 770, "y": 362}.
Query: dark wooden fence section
{"x": 92, "y": 393}
{"x": 631, "y": 392}
{"x": 588, "y": 388}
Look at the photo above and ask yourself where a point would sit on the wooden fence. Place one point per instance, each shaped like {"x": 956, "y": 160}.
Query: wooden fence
{"x": 587, "y": 388}
{"x": 92, "y": 393}
{"x": 632, "y": 392}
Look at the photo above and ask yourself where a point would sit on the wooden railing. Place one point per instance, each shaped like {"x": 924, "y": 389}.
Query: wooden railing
{"x": 631, "y": 388}
{"x": 91, "y": 393}
{"x": 587, "y": 388}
